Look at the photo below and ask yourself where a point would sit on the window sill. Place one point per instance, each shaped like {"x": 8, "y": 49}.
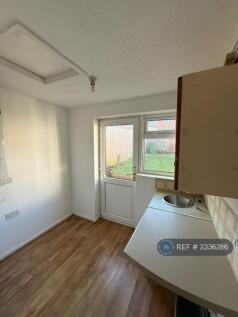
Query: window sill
{"x": 170, "y": 178}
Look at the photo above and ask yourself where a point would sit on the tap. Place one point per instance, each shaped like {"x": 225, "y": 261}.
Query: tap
{"x": 190, "y": 196}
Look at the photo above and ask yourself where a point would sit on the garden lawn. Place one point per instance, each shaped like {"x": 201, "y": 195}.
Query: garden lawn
{"x": 153, "y": 162}
{"x": 159, "y": 162}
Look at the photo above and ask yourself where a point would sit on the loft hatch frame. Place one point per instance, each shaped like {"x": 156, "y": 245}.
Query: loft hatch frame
{"x": 74, "y": 69}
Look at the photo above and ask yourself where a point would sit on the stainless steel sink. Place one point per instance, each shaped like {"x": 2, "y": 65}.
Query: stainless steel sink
{"x": 178, "y": 201}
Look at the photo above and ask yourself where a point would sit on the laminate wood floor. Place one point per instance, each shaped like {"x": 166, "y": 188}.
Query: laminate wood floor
{"x": 78, "y": 269}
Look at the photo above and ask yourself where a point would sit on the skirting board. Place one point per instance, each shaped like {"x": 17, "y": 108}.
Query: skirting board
{"x": 21, "y": 245}
{"x": 79, "y": 214}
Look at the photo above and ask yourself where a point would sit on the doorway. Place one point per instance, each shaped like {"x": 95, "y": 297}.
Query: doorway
{"x": 119, "y": 146}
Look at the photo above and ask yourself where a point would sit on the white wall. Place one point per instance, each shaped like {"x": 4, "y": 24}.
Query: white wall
{"x": 233, "y": 203}
{"x": 145, "y": 189}
{"x": 84, "y": 149}
{"x": 37, "y": 151}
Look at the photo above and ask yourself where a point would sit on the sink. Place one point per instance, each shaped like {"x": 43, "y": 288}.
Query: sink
{"x": 178, "y": 201}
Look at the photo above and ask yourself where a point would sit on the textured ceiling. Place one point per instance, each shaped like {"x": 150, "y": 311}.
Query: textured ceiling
{"x": 134, "y": 47}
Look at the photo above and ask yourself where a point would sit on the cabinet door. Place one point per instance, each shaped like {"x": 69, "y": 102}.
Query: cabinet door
{"x": 207, "y": 132}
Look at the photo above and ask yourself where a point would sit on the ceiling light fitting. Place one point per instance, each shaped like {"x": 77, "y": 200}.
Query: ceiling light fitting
{"x": 92, "y": 80}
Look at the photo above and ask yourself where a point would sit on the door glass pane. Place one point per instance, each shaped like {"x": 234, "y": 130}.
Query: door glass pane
{"x": 159, "y": 125}
{"x": 119, "y": 151}
{"x": 159, "y": 155}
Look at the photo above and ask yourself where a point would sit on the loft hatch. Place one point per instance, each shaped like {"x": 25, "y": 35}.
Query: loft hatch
{"x": 26, "y": 53}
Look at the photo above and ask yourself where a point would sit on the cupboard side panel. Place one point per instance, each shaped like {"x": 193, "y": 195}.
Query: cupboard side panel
{"x": 209, "y": 132}
{"x": 178, "y": 123}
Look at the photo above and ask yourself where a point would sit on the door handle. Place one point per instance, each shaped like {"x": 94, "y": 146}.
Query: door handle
{"x": 134, "y": 173}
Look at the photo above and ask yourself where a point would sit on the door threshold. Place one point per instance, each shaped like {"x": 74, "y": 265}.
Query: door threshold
{"x": 117, "y": 221}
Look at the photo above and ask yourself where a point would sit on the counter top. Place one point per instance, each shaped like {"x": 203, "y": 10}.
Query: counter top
{"x": 157, "y": 202}
{"x": 206, "y": 280}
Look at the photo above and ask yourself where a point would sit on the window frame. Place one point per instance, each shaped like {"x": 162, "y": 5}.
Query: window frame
{"x": 145, "y": 134}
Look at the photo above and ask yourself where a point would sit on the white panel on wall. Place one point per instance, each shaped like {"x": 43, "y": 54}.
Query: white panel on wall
{"x": 145, "y": 189}
{"x": 4, "y": 179}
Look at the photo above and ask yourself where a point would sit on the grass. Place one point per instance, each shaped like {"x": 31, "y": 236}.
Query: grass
{"x": 159, "y": 162}
{"x": 153, "y": 162}
{"x": 124, "y": 168}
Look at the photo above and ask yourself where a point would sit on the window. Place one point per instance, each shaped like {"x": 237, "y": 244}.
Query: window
{"x": 119, "y": 151}
{"x": 158, "y": 145}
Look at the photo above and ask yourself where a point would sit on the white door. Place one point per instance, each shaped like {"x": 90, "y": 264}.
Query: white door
{"x": 118, "y": 166}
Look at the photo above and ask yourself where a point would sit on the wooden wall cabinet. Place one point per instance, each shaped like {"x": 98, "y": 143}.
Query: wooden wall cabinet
{"x": 207, "y": 132}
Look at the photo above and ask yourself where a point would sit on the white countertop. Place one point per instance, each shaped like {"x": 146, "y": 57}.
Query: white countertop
{"x": 157, "y": 202}
{"x": 206, "y": 280}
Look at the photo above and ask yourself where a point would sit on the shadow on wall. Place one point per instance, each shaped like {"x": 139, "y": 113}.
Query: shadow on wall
{"x": 37, "y": 149}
